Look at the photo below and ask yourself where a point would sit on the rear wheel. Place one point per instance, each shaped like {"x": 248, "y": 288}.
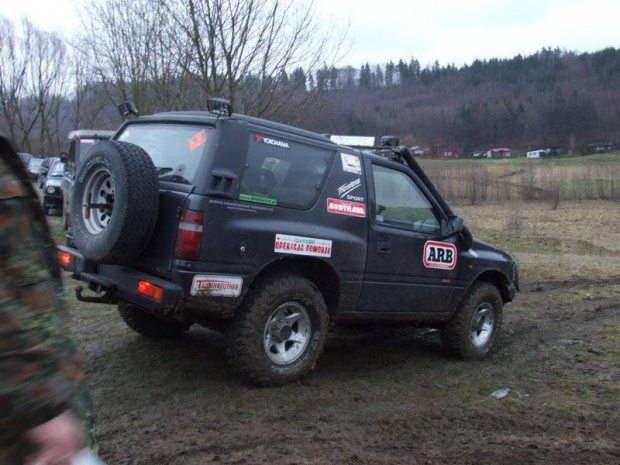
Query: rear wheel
{"x": 473, "y": 330}
{"x": 148, "y": 325}
{"x": 279, "y": 333}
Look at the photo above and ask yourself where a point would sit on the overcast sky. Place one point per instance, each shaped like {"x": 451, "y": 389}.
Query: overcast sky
{"x": 449, "y": 31}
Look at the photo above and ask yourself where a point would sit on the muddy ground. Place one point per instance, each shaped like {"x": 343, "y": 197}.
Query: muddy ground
{"x": 378, "y": 395}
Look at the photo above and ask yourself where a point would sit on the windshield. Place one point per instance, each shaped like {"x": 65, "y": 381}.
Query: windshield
{"x": 176, "y": 149}
{"x": 57, "y": 169}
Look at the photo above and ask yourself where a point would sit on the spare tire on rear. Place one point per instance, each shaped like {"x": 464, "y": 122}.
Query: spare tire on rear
{"x": 115, "y": 202}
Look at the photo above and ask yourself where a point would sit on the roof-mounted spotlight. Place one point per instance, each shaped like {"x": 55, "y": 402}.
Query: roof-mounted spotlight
{"x": 128, "y": 109}
{"x": 219, "y": 106}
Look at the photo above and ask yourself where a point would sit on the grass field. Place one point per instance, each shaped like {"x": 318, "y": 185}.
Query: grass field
{"x": 593, "y": 177}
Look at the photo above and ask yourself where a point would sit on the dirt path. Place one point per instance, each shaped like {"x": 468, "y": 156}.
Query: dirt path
{"x": 377, "y": 396}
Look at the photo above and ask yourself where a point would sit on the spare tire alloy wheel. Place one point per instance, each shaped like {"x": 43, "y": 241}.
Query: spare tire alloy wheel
{"x": 98, "y": 201}
{"x": 278, "y": 334}
{"x": 115, "y": 202}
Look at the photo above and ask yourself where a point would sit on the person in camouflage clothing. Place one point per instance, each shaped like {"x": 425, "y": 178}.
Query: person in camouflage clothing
{"x": 42, "y": 395}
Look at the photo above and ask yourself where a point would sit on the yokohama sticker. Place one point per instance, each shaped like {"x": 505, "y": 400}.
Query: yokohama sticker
{"x": 266, "y": 140}
{"x": 342, "y": 207}
{"x": 296, "y": 245}
{"x": 440, "y": 255}
{"x": 217, "y": 286}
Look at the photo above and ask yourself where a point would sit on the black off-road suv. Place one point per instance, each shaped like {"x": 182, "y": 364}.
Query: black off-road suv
{"x": 268, "y": 233}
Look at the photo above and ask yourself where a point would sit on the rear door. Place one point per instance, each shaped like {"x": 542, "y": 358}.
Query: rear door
{"x": 409, "y": 267}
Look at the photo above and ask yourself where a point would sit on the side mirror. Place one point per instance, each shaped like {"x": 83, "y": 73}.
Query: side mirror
{"x": 452, "y": 226}
{"x": 64, "y": 157}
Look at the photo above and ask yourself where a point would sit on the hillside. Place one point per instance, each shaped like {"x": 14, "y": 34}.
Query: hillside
{"x": 553, "y": 97}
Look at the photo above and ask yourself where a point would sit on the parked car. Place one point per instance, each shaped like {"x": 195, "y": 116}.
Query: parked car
{"x": 52, "y": 193}
{"x": 25, "y": 158}
{"x": 44, "y": 168}
{"x": 33, "y": 168}
{"x": 268, "y": 232}
{"x": 78, "y": 144}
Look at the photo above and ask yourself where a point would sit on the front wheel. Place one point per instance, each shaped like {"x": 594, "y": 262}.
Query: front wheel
{"x": 473, "y": 330}
{"x": 278, "y": 334}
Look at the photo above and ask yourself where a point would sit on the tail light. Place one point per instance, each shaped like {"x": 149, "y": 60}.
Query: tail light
{"x": 189, "y": 235}
{"x": 150, "y": 290}
{"x": 64, "y": 258}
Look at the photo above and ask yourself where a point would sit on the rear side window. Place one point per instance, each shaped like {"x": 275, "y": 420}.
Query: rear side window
{"x": 176, "y": 149}
{"x": 284, "y": 173}
{"x": 84, "y": 147}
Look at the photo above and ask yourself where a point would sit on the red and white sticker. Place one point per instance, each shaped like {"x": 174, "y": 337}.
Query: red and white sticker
{"x": 217, "y": 286}
{"x": 269, "y": 141}
{"x": 297, "y": 245}
{"x": 440, "y": 255}
{"x": 342, "y": 207}
{"x": 197, "y": 140}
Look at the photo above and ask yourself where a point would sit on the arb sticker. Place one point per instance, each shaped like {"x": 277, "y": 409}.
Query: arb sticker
{"x": 197, "y": 140}
{"x": 342, "y": 207}
{"x": 303, "y": 246}
{"x": 351, "y": 163}
{"x": 217, "y": 286}
{"x": 439, "y": 255}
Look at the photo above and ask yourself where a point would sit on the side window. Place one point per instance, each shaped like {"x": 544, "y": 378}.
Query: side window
{"x": 284, "y": 173}
{"x": 70, "y": 151}
{"x": 400, "y": 202}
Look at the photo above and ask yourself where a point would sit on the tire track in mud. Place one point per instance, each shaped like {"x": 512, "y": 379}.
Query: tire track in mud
{"x": 546, "y": 286}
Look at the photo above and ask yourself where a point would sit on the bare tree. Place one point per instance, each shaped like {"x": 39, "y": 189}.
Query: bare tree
{"x": 48, "y": 79}
{"x": 32, "y": 85}
{"x": 129, "y": 44}
{"x": 19, "y": 115}
{"x": 241, "y": 49}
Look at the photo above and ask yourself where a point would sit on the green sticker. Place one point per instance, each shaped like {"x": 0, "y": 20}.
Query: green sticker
{"x": 257, "y": 199}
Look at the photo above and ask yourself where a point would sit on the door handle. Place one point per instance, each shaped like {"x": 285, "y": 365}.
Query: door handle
{"x": 383, "y": 247}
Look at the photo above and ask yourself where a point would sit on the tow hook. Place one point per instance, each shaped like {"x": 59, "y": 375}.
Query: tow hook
{"x": 108, "y": 297}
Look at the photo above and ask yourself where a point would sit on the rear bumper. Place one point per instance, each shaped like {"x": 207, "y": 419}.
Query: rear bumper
{"x": 122, "y": 281}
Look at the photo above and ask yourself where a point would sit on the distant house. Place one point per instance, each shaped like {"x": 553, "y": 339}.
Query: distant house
{"x": 498, "y": 153}
{"x": 536, "y": 153}
{"x": 451, "y": 153}
{"x": 600, "y": 147}
{"x": 417, "y": 150}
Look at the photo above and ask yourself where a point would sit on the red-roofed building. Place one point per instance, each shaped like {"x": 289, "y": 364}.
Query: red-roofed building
{"x": 498, "y": 153}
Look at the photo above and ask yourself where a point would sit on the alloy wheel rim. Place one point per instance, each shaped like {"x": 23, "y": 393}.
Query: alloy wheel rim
{"x": 287, "y": 333}
{"x": 98, "y": 201}
{"x": 482, "y": 325}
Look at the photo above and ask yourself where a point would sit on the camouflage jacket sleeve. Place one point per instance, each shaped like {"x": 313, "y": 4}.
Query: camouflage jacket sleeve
{"x": 38, "y": 366}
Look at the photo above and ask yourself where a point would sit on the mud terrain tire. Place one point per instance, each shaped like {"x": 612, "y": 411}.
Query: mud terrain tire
{"x": 115, "y": 203}
{"x": 148, "y": 325}
{"x": 473, "y": 330}
{"x": 279, "y": 332}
